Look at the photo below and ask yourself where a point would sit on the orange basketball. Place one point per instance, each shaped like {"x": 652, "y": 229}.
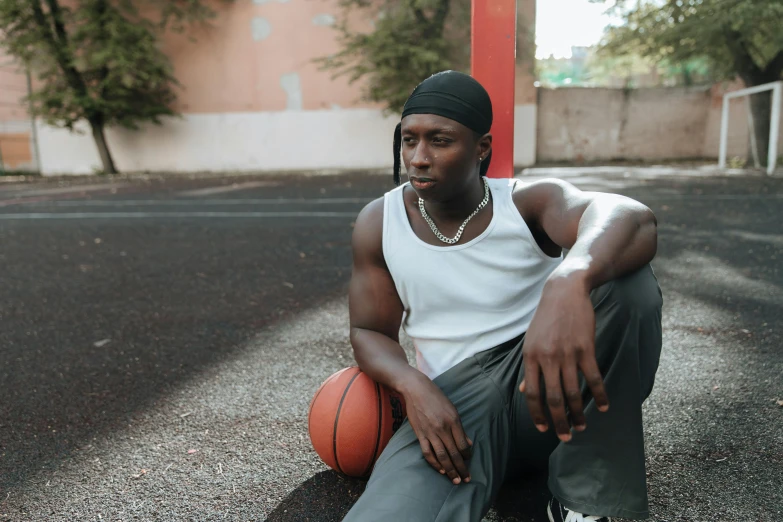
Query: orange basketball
{"x": 351, "y": 419}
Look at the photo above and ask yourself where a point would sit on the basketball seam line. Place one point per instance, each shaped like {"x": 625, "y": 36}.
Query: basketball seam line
{"x": 337, "y": 419}
{"x": 380, "y": 424}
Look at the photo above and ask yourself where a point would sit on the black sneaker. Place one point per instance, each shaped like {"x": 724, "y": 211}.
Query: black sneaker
{"x": 558, "y": 513}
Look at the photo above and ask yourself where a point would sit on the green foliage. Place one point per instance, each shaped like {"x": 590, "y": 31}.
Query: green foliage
{"x": 735, "y": 37}
{"x": 97, "y": 60}
{"x": 598, "y": 69}
{"x": 603, "y": 70}
{"x": 411, "y": 40}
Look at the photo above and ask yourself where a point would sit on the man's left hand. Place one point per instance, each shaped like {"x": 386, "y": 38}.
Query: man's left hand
{"x": 559, "y": 342}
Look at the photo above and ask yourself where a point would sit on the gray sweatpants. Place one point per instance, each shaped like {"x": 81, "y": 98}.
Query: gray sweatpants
{"x": 601, "y": 471}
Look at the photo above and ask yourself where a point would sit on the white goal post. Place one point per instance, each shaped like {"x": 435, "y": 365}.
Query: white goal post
{"x": 774, "y": 129}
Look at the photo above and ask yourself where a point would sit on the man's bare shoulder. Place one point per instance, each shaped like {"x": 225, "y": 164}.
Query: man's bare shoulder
{"x": 540, "y": 190}
{"x": 368, "y": 230}
{"x": 534, "y": 198}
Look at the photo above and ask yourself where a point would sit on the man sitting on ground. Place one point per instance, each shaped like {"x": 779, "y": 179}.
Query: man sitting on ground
{"x": 473, "y": 270}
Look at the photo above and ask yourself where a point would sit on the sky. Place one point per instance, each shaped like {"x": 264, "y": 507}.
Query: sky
{"x": 563, "y": 23}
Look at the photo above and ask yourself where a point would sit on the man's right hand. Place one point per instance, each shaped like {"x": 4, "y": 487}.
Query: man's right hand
{"x": 437, "y": 425}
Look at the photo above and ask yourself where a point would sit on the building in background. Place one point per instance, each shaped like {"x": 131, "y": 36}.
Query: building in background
{"x": 254, "y": 100}
{"x": 17, "y": 141}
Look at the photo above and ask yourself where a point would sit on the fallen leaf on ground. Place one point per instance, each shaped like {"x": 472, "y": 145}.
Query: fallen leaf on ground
{"x": 192, "y": 451}
{"x": 141, "y": 473}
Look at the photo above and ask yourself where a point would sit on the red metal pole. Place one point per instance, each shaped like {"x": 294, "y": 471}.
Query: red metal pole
{"x": 493, "y": 53}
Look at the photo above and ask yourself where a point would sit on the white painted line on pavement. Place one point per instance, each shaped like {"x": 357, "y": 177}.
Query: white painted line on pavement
{"x": 709, "y": 197}
{"x": 62, "y": 190}
{"x": 228, "y": 188}
{"x": 199, "y": 202}
{"x": 146, "y": 215}
{"x": 331, "y": 201}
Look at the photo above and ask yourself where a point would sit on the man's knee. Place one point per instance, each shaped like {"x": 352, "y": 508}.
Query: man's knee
{"x": 637, "y": 293}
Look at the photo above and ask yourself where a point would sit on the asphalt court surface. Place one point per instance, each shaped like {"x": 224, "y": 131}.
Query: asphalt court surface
{"x": 162, "y": 337}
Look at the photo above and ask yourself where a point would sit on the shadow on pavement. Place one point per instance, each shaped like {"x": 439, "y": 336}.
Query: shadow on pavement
{"x": 523, "y": 499}
{"x": 103, "y": 319}
{"x": 327, "y": 497}
{"x": 721, "y": 246}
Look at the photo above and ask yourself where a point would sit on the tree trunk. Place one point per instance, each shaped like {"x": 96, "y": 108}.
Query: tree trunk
{"x": 761, "y": 109}
{"x": 103, "y": 147}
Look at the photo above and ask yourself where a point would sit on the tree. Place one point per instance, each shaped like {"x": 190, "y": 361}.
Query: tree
{"x": 411, "y": 40}
{"x": 97, "y": 60}
{"x": 736, "y": 37}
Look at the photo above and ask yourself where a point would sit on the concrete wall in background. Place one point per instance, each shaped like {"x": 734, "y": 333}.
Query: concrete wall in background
{"x": 254, "y": 100}
{"x": 257, "y": 141}
{"x": 580, "y": 124}
{"x": 16, "y": 136}
{"x": 337, "y": 139}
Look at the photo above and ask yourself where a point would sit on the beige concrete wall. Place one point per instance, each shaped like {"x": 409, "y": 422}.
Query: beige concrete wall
{"x": 579, "y": 124}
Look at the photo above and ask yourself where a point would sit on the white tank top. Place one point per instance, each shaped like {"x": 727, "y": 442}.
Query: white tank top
{"x": 462, "y": 299}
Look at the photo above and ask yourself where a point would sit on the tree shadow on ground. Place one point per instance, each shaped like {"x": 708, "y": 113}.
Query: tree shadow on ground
{"x": 102, "y": 320}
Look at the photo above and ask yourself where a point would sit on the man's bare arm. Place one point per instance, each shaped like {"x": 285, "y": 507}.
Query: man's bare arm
{"x": 376, "y": 313}
{"x": 608, "y": 235}
{"x": 375, "y": 307}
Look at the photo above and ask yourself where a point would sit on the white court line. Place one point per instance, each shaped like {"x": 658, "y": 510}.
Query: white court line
{"x": 200, "y": 202}
{"x": 146, "y": 215}
{"x": 708, "y": 197}
{"x": 228, "y": 188}
{"x": 60, "y": 190}
{"x": 337, "y": 201}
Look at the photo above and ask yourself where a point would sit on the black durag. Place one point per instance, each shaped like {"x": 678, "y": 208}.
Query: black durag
{"x": 453, "y": 95}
